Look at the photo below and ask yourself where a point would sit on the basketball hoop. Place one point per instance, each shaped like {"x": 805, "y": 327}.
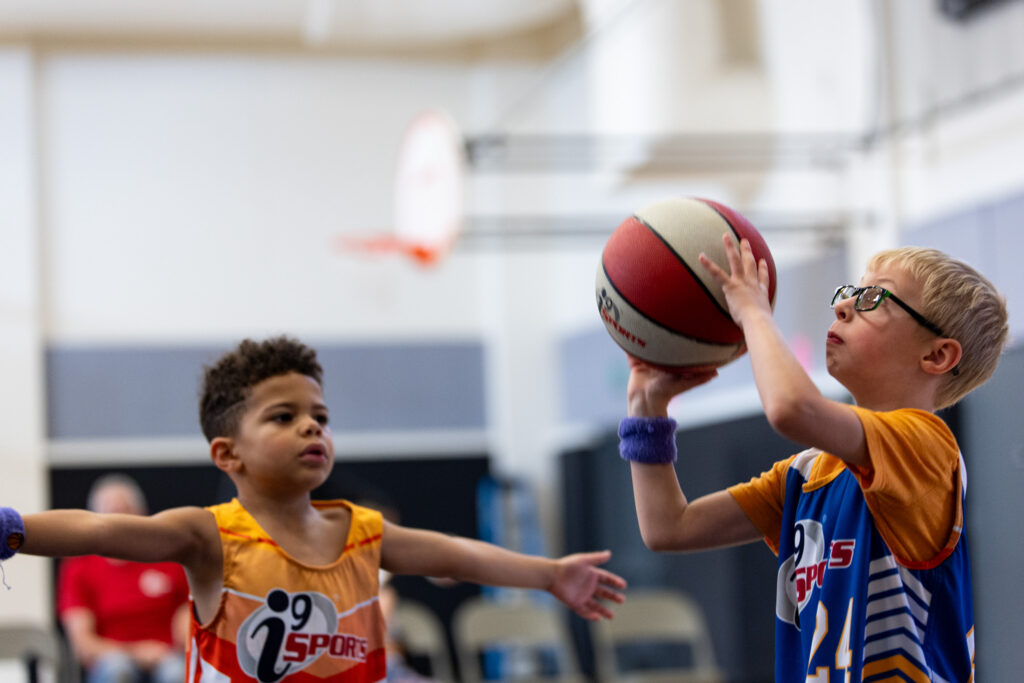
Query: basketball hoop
{"x": 428, "y": 192}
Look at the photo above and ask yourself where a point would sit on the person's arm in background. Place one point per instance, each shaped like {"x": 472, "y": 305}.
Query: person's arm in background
{"x": 77, "y": 586}
{"x": 180, "y": 625}
{"x": 147, "y": 654}
{"x": 80, "y": 626}
{"x": 77, "y": 616}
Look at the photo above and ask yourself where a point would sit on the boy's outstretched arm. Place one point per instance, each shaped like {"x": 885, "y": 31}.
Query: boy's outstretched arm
{"x": 177, "y": 535}
{"x": 186, "y": 535}
{"x": 576, "y": 580}
{"x": 794, "y": 406}
{"x": 668, "y": 522}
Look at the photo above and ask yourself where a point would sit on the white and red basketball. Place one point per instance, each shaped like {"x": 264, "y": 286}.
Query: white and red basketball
{"x": 656, "y": 299}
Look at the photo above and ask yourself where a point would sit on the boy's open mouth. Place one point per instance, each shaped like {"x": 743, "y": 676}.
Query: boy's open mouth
{"x": 314, "y": 452}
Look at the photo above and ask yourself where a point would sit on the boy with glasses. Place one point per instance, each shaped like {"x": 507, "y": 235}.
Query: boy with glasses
{"x": 868, "y": 523}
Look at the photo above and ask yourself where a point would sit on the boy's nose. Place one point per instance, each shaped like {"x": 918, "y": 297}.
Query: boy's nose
{"x": 311, "y": 426}
{"x": 843, "y": 309}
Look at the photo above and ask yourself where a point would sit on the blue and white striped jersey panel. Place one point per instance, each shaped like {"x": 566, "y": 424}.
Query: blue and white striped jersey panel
{"x": 897, "y": 614}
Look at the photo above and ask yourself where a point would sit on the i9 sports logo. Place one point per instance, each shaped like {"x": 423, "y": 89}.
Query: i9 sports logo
{"x": 804, "y": 570}
{"x": 605, "y": 304}
{"x": 289, "y": 632}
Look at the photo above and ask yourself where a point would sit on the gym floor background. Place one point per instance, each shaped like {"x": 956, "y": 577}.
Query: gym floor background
{"x": 174, "y": 178}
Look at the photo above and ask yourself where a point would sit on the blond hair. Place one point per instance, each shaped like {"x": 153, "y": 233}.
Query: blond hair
{"x": 964, "y": 304}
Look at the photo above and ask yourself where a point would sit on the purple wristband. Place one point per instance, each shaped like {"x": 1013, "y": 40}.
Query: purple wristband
{"x": 12, "y": 532}
{"x": 648, "y": 440}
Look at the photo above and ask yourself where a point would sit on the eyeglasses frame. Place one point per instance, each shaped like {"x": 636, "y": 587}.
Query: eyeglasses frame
{"x": 886, "y": 294}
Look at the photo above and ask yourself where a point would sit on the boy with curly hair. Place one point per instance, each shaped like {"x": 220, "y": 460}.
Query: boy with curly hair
{"x": 868, "y": 523}
{"x": 284, "y": 587}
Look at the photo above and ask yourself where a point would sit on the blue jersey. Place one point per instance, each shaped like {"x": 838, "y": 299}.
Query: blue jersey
{"x": 855, "y": 601}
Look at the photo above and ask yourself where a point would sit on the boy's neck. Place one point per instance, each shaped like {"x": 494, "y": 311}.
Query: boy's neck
{"x": 895, "y": 405}
{"x": 881, "y": 402}
{"x": 294, "y": 509}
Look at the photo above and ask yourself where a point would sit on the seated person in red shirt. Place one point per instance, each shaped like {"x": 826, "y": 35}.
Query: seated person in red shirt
{"x": 127, "y": 621}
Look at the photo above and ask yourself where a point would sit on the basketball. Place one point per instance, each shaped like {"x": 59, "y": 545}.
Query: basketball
{"x": 655, "y": 298}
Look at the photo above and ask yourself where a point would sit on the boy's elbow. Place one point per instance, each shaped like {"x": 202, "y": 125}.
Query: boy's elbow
{"x": 660, "y": 540}
{"x": 778, "y": 415}
{"x": 656, "y": 543}
{"x": 788, "y": 417}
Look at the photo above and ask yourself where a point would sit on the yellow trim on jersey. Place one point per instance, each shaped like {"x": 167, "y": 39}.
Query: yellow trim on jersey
{"x": 893, "y": 664}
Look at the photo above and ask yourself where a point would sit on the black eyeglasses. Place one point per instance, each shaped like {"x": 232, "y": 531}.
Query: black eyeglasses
{"x": 869, "y": 298}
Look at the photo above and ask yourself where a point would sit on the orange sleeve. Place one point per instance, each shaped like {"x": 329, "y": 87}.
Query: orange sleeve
{"x": 761, "y": 499}
{"x": 912, "y": 483}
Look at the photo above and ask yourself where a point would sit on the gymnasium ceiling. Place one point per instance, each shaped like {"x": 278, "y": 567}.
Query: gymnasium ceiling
{"x": 534, "y": 29}
{"x": 325, "y": 24}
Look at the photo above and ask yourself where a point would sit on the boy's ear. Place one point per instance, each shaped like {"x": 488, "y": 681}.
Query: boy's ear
{"x": 944, "y": 356}
{"x": 222, "y": 453}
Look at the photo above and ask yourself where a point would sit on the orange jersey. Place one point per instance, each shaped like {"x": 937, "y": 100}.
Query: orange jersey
{"x": 912, "y": 485}
{"x": 280, "y": 619}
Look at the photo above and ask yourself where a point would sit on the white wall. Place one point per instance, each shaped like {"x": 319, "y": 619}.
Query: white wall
{"x": 201, "y": 197}
{"x": 22, "y": 453}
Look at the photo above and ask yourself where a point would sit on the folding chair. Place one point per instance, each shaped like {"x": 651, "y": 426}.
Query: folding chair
{"x": 422, "y": 633}
{"x": 668, "y": 618}
{"x": 33, "y": 645}
{"x": 480, "y": 624}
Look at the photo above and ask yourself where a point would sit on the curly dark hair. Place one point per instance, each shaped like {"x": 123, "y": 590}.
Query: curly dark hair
{"x": 227, "y": 383}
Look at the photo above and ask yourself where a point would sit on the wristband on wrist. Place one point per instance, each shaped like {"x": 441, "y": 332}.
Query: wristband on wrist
{"x": 12, "y": 532}
{"x": 648, "y": 440}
